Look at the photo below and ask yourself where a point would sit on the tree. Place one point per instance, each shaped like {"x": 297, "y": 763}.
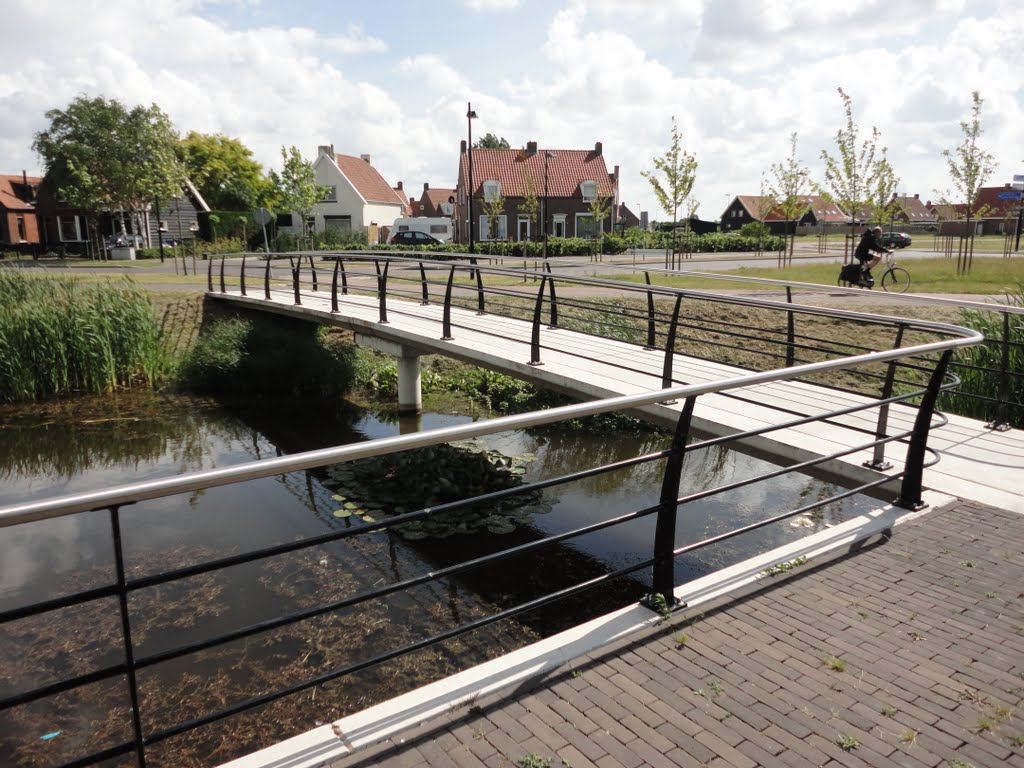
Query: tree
{"x": 490, "y": 141}
{"x": 224, "y": 172}
{"x": 295, "y": 189}
{"x": 882, "y": 191}
{"x": 969, "y": 169}
{"x": 789, "y": 189}
{"x": 493, "y": 208}
{"x": 678, "y": 168}
{"x": 847, "y": 174}
{"x": 600, "y": 208}
{"x": 530, "y": 207}
{"x": 100, "y": 156}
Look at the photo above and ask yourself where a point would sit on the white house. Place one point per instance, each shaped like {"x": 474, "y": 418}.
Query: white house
{"x": 357, "y": 196}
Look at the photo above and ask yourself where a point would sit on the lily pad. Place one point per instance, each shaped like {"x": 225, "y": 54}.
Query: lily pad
{"x": 342, "y": 513}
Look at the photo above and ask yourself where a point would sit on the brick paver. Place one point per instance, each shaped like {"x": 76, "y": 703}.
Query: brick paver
{"x": 908, "y": 653}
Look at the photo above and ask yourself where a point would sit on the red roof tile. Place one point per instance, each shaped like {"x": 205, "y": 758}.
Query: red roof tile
{"x": 517, "y": 170}
{"x": 367, "y": 180}
{"x": 8, "y": 198}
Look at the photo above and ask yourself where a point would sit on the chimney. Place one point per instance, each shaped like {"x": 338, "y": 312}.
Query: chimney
{"x": 598, "y": 149}
{"x": 426, "y": 186}
{"x": 616, "y": 174}
{"x": 462, "y": 147}
{"x": 917, "y": 196}
{"x": 326, "y": 149}
{"x": 24, "y": 177}
{"x": 366, "y": 159}
{"x": 399, "y": 187}
{"x": 531, "y": 148}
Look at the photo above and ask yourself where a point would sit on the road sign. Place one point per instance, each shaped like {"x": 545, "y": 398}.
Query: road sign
{"x": 262, "y": 216}
{"x": 1009, "y": 195}
{"x": 1018, "y": 177}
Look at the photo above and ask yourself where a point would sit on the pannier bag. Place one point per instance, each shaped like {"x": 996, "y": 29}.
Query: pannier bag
{"x": 850, "y": 273}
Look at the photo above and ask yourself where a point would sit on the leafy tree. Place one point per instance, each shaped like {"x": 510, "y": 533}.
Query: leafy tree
{"x": 224, "y": 172}
{"x": 530, "y": 206}
{"x": 789, "y": 189}
{"x": 490, "y": 141}
{"x": 847, "y": 174}
{"x": 295, "y": 188}
{"x": 678, "y": 168}
{"x": 766, "y": 203}
{"x": 884, "y": 206}
{"x": 600, "y": 208}
{"x": 100, "y": 156}
{"x": 969, "y": 169}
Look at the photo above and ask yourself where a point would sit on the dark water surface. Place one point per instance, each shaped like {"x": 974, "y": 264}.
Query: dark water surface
{"x": 90, "y": 443}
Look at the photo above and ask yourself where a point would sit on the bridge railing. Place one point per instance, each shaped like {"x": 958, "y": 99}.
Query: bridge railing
{"x": 993, "y": 370}
{"x": 129, "y": 680}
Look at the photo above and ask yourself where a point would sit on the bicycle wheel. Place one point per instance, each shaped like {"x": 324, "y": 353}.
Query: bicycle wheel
{"x": 896, "y": 280}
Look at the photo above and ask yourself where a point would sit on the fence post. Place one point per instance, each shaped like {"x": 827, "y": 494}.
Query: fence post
{"x": 241, "y": 276}
{"x": 126, "y": 635}
{"x": 668, "y": 506}
{"x": 650, "y": 314}
{"x": 913, "y": 472}
{"x": 790, "y": 330}
{"x": 223, "y": 259}
{"x": 878, "y": 461}
{"x": 266, "y": 279}
{"x": 999, "y": 423}
{"x": 209, "y": 276}
{"x": 425, "y": 300}
{"x": 554, "y": 300}
{"x": 296, "y": 266}
{"x": 670, "y": 343}
{"x": 446, "y": 319}
{"x": 479, "y": 289}
{"x": 334, "y": 285}
{"x": 535, "y": 336}
{"x": 312, "y": 270}
{"x": 382, "y": 289}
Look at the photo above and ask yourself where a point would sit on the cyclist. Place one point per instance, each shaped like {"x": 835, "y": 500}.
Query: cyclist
{"x": 869, "y": 252}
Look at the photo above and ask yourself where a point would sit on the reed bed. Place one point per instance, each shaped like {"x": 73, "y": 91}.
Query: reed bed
{"x": 61, "y": 336}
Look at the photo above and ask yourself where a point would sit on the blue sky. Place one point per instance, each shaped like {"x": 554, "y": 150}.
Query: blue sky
{"x": 392, "y": 79}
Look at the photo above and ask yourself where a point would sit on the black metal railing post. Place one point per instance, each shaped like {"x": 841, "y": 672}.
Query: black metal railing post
{"x": 446, "y": 319}
{"x": 209, "y": 276}
{"x": 296, "y": 265}
{"x": 425, "y": 295}
{"x": 913, "y": 471}
{"x": 241, "y": 276}
{"x": 266, "y": 279}
{"x": 553, "y": 323}
{"x": 790, "y": 330}
{"x": 382, "y": 289}
{"x": 651, "y": 340}
{"x": 670, "y": 344}
{"x": 334, "y": 285}
{"x": 999, "y": 422}
{"x": 223, "y": 258}
{"x": 126, "y": 635}
{"x": 878, "y": 461}
{"x": 535, "y": 333}
{"x": 312, "y": 271}
{"x": 480, "y": 310}
{"x": 663, "y": 579}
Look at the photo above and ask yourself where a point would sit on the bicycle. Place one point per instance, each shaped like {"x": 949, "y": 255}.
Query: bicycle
{"x": 894, "y": 279}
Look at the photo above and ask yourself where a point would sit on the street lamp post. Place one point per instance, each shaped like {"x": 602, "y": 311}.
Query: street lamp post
{"x": 547, "y": 154}
{"x": 470, "y": 114}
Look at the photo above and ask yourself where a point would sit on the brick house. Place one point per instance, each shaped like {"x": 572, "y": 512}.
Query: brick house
{"x": 571, "y": 178}
{"x": 817, "y": 210}
{"x": 1000, "y": 213}
{"x": 439, "y": 201}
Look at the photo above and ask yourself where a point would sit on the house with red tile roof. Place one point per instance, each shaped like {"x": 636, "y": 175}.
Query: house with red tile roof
{"x": 400, "y": 191}
{"x": 19, "y": 226}
{"x": 913, "y": 210}
{"x": 568, "y": 179}
{"x": 1000, "y": 211}
{"x": 437, "y": 201}
{"x": 358, "y": 198}
{"x": 816, "y": 210}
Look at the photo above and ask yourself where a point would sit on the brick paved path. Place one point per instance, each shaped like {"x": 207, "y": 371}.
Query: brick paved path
{"x": 908, "y": 653}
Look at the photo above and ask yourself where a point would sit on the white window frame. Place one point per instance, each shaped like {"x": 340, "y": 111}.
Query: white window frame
{"x": 583, "y": 217}
{"x": 588, "y": 190}
{"x": 492, "y": 190}
{"x": 485, "y": 227}
{"x": 61, "y": 220}
{"x": 558, "y": 225}
{"x": 520, "y": 220}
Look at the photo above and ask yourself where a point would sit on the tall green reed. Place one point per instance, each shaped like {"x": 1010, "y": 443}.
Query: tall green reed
{"x": 59, "y": 336}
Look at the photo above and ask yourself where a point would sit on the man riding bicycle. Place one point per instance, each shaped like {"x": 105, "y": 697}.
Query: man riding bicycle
{"x": 869, "y": 252}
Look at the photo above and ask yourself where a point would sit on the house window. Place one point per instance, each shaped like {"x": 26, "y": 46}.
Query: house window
{"x": 589, "y": 190}
{"x": 493, "y": 228}
{"x": 558, "y": 225}
{"x": 21, "y": 229}
{"x": 586, "y": 225}
{"x": 492, "y": 190}
{"x": 68, "y": 228}
{"x": 338, "y": 224}
{"x": 284, "y": 220}
{"x": 523, "y": 224}
{"x": 330, "y": 194}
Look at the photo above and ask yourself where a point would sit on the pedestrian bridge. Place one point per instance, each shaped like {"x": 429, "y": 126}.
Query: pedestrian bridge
{"x": 718, "y": 371}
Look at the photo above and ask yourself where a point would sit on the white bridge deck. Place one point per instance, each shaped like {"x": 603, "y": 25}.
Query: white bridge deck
{"x": 976, "y": 463}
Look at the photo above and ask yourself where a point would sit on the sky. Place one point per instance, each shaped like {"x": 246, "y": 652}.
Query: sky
{"x": 392, "y": 79}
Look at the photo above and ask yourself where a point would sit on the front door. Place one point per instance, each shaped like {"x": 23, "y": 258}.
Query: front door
{"x": 524, "y": 229}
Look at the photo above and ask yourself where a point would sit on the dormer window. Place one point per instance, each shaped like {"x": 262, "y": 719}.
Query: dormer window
{"x": 492, "y": 190}
{"x": 589, "y": 190}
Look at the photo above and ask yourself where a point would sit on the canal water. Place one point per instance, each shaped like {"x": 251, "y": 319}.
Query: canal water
{"x": 91, "y": 443}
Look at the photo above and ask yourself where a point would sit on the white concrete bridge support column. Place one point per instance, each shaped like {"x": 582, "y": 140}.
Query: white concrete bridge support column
{"x": 410, "y": 396}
